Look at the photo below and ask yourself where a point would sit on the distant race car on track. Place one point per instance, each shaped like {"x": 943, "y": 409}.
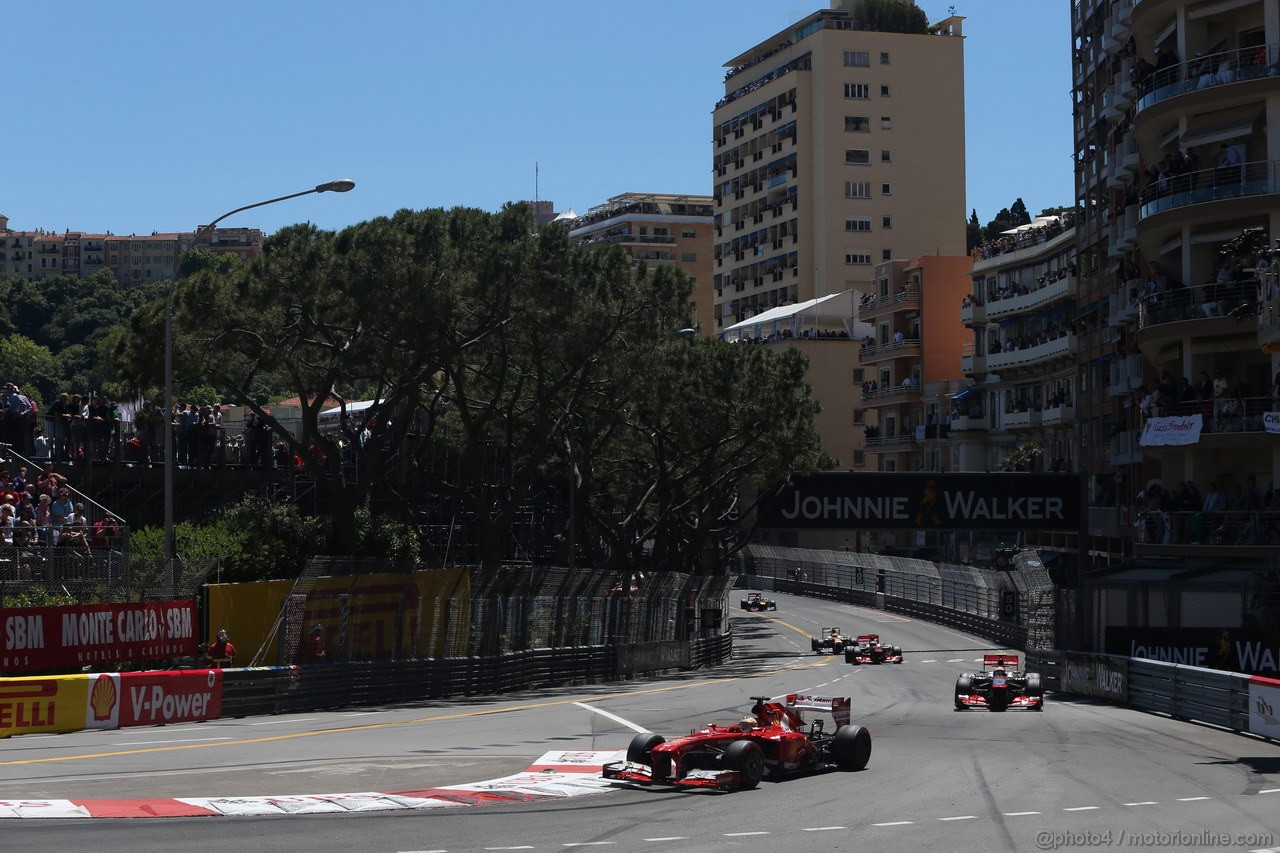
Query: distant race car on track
{"x": 999, "y": 686}
{"x": 867, "y": 649}
{"x": 756, "y": 601}
{"x": 772, "y": 741}
{"x": 831, "y": 641}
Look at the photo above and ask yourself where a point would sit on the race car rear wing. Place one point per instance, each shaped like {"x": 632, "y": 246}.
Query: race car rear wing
{"x": 999, "y": 660}
{"x": 868, "y": 638}
{"x": 837, "y": 706}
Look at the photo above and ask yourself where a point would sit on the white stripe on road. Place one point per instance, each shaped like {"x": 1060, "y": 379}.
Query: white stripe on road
{"x": 961, "y": 817}
{"x": 668, "y": 838}
{"x": 821, "y": 828}
{"x": 1019, "y": 814}
{"x": 742, "y": 834}
{"x": 1147, "y": 803}
{"x": 1270, "y": 791}
{"x": 1190, "y": 799}
{"x": 1083, "y": 809}
{"x": 179, "y": 740}
{"x": 614, "y": 717}
{"x": 895, "y": 823}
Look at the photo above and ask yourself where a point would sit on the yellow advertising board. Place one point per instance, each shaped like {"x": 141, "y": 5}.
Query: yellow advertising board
{"x": 51, "y": 703}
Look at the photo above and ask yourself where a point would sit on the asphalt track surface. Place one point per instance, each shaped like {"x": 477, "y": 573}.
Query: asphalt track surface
{"x": 1079, "y": 776}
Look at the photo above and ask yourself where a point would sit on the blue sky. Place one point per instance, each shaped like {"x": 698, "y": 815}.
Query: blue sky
{"x": 141, "y": 115}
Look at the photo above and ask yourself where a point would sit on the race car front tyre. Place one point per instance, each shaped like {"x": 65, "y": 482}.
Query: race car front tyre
{"x": 640, "y": 750}
{"x": 851, "y": 656}
{"x": 1034, "y": 686}
{"x": 964, "y": 686}
{"x": 747, "y": 758}
{"x": 851, "y": 748}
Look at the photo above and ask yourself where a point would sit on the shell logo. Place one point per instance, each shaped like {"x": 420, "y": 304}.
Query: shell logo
{"x": 103, "y": 697}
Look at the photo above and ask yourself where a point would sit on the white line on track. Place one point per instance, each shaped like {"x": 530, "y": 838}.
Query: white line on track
{"x": 931, "y": 660}
{"x": 614, "y": 717}
{"x": 1191, "y": 799}
{"x": 430, "y": 851}
{"x": 522, "y": 847}
{"x": 588, "y": 843}
{"x": 895, "y": 823}
{"x": 282, "y": 722}
{"x": 1270, "y": 791}
{"x": 668, "y": 838}
{"x": 956, "y": 660}
{"x": 821, "y": 828}
{"x": 1083, "y": 809}
{"x": 178, "y": 740}
{"x": 742, "y": 834}
{"x": 1146, "y": 803}
{"x": 1019, "y": 814}
{"x": 961, "y": 817}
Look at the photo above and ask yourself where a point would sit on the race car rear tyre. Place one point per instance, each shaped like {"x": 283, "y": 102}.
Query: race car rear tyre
{"x": 851, "y": 748}
{"x": 1034, "y": 686}
{"x": 897, "y": 651}
{"x": 747, "y": 758}
{"x": 640, "y": 750}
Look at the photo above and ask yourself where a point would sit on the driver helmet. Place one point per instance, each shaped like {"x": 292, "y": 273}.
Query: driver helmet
{"x": 747, "y": 723}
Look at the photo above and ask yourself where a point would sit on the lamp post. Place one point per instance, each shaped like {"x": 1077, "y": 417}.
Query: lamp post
{"x": 339, "y": 186}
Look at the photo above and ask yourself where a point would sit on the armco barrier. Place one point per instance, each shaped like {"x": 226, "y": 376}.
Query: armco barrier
{"x": 1184, "y": 692}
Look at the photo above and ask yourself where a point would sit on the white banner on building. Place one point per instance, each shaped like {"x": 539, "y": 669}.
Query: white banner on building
{"x": 1272, "y": 421}
{"x": 1178, "y": 429}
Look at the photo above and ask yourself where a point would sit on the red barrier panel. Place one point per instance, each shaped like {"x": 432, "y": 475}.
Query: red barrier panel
{"x": 118, "y": 700}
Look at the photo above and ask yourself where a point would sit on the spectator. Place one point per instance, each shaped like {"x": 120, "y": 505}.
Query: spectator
{"x": 105, "y": 533}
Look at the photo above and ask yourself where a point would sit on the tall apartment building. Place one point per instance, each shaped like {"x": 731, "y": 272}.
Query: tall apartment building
{"x": 657, "y": 228}
{"x": 133, "y": 259}
{"x": 835, "y": 148}
{"x": 1021, "y": 356}
{"x": 1176, "y": 174}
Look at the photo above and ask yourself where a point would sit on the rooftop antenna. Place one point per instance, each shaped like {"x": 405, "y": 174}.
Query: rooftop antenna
{"x": 951, "y": 11}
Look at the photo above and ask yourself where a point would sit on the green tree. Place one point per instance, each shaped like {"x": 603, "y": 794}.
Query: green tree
{"x": 972, "y": 232}
{"x": 29, "y": 366}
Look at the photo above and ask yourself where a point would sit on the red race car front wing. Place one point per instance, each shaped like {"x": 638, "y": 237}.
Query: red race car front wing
{"x": 977, "y": 700}
{"x": 642, "y": 774}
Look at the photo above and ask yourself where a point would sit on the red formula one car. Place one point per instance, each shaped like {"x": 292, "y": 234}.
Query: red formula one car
{"x": 1001, "y": 685}
{"x": 867, "y": 649}
{"x": 774, "y": 740}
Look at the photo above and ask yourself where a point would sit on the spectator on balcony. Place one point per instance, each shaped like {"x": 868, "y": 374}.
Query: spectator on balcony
{"x": 105, "y": 533}
{"x": 60, "y": 414}
{"x": 1228, "y": 171}
{"x": 1216, "y": 293}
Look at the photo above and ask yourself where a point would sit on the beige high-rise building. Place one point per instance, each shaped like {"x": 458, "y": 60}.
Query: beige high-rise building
{"x": 657, "y": 228}
{"x": 836, "y": 149}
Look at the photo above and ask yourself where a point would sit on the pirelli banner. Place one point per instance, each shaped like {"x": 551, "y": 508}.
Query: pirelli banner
{"x": 927, "y": 501}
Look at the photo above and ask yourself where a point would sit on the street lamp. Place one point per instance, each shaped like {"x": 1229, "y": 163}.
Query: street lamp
{"x": 341, "y": 185}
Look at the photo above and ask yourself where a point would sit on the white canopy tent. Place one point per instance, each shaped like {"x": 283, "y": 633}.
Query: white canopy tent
{"x": 837, "y": 312}
{"x": 332, "y": 418}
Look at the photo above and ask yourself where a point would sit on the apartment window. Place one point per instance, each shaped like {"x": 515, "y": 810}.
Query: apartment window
{"x": 857, "y": 189}
{"x": 886, "y": 222}
{"x": 857, "y": 124}
{"x": 886, "y": 254}
{"x": 644, "y": 230}
{"x": 885, "y": 157}
{"x": 857, "y": 91}
{"x": 886, "y": 189}
{"x": 857, "y": 157}
{"x": 859, "y": 458}
{"x": 889, "y": 466}
{"x": 660, "y": 232}
{"x": 886, "y": 123}
{"x": 688, "y": 257}
{"x": 884, "y": 91}
{"x": 857, "y": 259}
{"x": 857, "y": 223}
{"x": 859, "y": 376}
{"x": 688, "y": 233}
{"x": 884, "y": 59}
{"x": 857, "y": 59}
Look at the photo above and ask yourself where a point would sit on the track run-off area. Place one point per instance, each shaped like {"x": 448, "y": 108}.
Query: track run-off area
{"x": 519, "y": 772}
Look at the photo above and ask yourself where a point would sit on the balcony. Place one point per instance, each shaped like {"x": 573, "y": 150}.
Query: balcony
{"x": 1026, "y": 302}
{"x": 972, "y": 364}
{"x": 1120, "y": 311}
{"x": 1063, "y": 347}
{"x": 1201, "y": 302}
{"x": 876, "y": 305}
{"x": 969, "y": 423}
{"x": 1269, "y": 322}
{"x": 892, "y": 394}
{"x": 1209, "y": 534}
{"x": 1029, "y": 419}
{"x": 1210, "y": 72}
{"x": 1058, "y": 415}
{"x": 1124, "y": 449}
{"x": 882, "y": 443}
{"x": 1126, "y": 376}
{"x": 972, "y": 313}
{"x": 908, "y": 347}
{"x": 1210, "y": 185}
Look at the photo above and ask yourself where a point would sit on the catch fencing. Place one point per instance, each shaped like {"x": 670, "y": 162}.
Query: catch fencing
{"x": 1015, "y": 607}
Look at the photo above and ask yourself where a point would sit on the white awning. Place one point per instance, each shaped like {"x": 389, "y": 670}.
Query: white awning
{"x": 837, "y": 305}
{"x": 1221, "y": 132}
{"x": 331, "y": 418}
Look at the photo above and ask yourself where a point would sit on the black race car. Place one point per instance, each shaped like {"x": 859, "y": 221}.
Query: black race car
{"x": 757, "y": 601}
{"x": 1001, "y": 685}
{"x": 867, "y": 649}
{"x": 832, "y": 641}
